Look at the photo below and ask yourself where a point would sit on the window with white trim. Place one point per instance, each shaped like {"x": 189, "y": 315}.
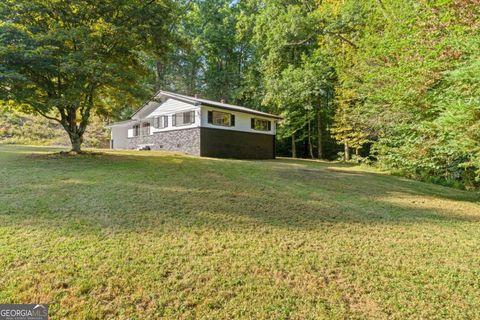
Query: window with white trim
{"x": 145, "y": 129}
{"x": 221, "y": 118}
{"x": 183, "y": 118}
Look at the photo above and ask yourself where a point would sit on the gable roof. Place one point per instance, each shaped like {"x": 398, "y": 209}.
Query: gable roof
{"x": 199, "y": 101}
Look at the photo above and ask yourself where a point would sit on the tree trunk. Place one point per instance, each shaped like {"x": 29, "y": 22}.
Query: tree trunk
{"x": 159, "y": 75}
{"x": 347, "y": 151}
{"x": 294, "y": 147}
{"x": 320, "y": 136}
{"x": 310, "y": 145}
{"x": 76, "y": 141}
{"x": 74, "y": 125}
{"x": 357, "y": 152}
{"x": 75, "y": 129}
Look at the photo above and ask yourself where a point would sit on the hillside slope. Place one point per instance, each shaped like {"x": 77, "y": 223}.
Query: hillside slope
{"x": 20, "y": 128}
{"x": 145, "y": 234}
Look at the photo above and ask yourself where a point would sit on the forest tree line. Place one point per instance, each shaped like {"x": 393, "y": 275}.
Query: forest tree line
{"x": 395, "y": 82}
{"x": 390, "y": 82}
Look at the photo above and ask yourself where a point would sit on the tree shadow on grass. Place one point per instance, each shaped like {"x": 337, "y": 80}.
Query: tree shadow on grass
{"x": 371, "y": 182}
{"x": 158, "y": 192}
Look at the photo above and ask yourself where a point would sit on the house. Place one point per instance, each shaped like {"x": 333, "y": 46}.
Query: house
{"x": 175, "y": 122}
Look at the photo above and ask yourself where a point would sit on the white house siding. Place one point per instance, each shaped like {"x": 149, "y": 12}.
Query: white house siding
{"x": 169, "y": 108}
{"x": 119, "y": 137}
{"x": 164, "y": 138}
{"x": 242, "y": 121}
{"x": 146, "y": 110}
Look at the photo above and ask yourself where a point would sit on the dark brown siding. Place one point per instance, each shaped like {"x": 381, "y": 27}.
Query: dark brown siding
{"x": 221, "y": 143}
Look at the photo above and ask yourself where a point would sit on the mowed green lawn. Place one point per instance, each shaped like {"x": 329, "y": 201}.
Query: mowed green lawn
{"x": 144, "y": 235}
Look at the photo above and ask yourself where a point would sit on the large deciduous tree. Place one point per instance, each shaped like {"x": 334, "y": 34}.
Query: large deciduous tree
{"x": 64, "y": 59}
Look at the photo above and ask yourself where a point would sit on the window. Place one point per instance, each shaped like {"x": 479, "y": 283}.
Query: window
{"x": 136, "y": 130}
{"x": 145, "y": 129}
{"x": 261, "y": 124}
{"x": 160, "y": 122}
{"x": 221, "y": 118}
{"x": 183, "y": 118}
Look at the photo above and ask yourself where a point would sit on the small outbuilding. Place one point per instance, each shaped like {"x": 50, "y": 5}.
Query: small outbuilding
{"x": 195, "y": 126}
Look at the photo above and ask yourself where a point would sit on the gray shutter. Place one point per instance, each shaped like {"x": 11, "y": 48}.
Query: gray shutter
{"x": 174, "y": 120}
{"x": 192, "y": 116}
{"x": 269, "y": 125}
{"x": 165, "y": 121}
{"x": 252, "y": 123}
{"x": 232, "y": 120}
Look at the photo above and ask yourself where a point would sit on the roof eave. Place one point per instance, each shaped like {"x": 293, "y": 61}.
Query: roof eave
{"x": 119, "y": 123}
{"x": 260, "y": 114}
{"x": 146, "y": 102}
{"x": 197, "y": 102}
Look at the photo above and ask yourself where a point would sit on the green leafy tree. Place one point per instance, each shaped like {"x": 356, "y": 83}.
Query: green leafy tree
{"x": 414, "y": 77}
{"x": 347, "y": 130}
{"x": 302, "y": 95}
{"x": 212, "y": 53}
{"x": 64, "y": 60}
{"x": 293, "y": 73}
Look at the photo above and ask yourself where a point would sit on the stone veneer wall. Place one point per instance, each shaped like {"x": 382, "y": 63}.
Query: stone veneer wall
{"x": 182, "y": 140}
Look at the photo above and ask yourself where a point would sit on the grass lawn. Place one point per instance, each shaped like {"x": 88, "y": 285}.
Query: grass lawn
{"x": 144, "y": 235}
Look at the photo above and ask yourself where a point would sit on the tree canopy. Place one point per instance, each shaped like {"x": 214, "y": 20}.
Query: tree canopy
{"x": 64, "y": 60}
{"x": 396, "y": 81}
